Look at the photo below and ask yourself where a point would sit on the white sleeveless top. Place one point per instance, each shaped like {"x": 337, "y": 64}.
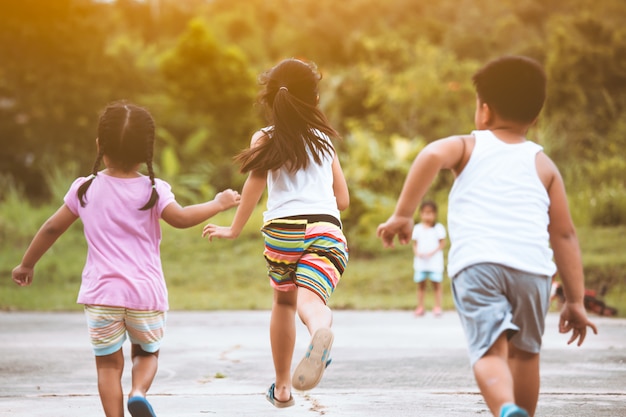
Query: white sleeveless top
{"x": 305, "y": 191}
{"x": 498, "y": 209}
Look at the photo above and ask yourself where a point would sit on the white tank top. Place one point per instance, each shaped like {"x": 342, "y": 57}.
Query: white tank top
{"x": 498, "y": 209}
{"x": 305, "y": 191}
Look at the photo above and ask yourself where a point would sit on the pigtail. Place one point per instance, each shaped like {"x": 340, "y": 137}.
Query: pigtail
{"x": 154, "y": 196}
{"x": 293, "y": 118}
{"x": 82, "y": 190}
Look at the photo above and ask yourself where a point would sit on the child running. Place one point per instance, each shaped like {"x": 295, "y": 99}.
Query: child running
{"x": 123, "y": 288}
{"x": 507, "y": 216}
{"x": 305, "y": 249}
{"x": 429, "y": 239}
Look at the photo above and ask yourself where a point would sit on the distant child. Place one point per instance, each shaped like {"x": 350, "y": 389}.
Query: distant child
{"x": 507, "y": 217}
{"x": 305, "y": 249}
{"x": 429, "y": 239}
{"x": 123, "y": 288}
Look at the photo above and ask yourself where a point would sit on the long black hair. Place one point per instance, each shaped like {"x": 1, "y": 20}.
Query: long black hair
{"x": 126, "y": 137}
{"x": 290, "y": 97}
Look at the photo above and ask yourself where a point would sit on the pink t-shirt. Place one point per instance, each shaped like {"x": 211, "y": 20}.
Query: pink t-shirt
{"x": 123, "y": 266}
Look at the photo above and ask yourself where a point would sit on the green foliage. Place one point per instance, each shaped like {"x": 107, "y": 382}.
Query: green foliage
{"x": 586, "y": 61}
{"x": 55, "y": 76}
{"x": 396, "y": 76}
{"x": 211, "y": 81}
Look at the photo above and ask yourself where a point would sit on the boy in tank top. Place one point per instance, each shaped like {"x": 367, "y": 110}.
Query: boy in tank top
{"x": 508, "y": 218}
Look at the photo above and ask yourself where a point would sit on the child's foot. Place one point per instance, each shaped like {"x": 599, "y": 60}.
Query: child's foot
{"x": 309, "y": 371}
{"x": 437, "y": 311}
{"x": 277, "y": 403}
{"x": 419, "y": 311}
{"x": 140, "y": 407}
{"x": 512, "y": 410}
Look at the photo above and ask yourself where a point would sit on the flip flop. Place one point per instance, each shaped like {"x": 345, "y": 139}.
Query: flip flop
{"x": 309, "y": 371}
{"x": 277, "y": 403}
{"x": 140, "y": 407}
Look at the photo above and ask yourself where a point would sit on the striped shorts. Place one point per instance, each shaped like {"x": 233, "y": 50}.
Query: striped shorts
{"x": 108, "y": 327}
{"x": 300, "y": 253}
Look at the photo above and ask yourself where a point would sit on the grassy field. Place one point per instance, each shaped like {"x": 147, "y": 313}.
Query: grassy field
{"x": 230, "y": 275}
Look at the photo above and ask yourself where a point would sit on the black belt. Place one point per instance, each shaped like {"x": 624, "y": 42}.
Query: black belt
{"x": 316, "y": 218}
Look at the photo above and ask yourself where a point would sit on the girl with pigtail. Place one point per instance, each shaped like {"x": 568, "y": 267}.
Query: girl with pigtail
{"x": 123, "y": 288}
{"x": 305, "y": 249}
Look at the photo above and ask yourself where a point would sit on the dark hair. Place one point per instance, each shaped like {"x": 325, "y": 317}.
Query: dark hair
{"x": 126, "y": 137}
{"x": 428, "y": 203}
{"x": 513, "y": 86}
{"x": 290, "y": 97}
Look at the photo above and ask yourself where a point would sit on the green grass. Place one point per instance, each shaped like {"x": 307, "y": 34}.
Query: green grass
{"x": 230, "y": 275}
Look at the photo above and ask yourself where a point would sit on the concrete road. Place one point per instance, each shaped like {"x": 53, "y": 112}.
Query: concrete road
{"x": 384, "y": 364}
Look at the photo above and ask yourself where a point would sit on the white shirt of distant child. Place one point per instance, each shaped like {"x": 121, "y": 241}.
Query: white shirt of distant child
{"x": 428, "y": 239}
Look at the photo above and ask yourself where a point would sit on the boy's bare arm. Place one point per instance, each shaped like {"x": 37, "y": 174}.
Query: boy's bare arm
{"x": 567, "y": 254}
{"x": 441, "y": 154}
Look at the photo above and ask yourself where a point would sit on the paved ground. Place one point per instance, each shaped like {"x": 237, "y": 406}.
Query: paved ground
{"x": 384, "y": 364}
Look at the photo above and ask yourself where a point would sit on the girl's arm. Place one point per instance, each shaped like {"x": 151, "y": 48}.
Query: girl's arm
{"x": 183, "y": 217}
{"x": 250, "y": 196}
{"x": 340, "y": 187}
{"x": 49, "y": 232}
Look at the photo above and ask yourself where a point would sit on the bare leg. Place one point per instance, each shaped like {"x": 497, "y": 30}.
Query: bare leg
{"x": 145, "y": 365}
{"x": 421, "y": 289}
{"x": 110, "y": 369}
{"x": 524, "y": 367}
{"x": 438, "y": 297}
{"x": 283, "y": 339}
{"x": 317, "y": 317}
{"x": 313, "y": 312}
{"x": 494, "y": 377}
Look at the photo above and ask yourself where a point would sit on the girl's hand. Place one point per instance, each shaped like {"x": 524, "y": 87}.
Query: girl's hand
{"x": 574, "y": 318}
{"x": 22, "y": 275}
{"x": 227, "y": 199}
{"x": 214, "y": 231}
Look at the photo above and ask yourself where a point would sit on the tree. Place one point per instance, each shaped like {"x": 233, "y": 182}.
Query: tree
{"x": 55, "y": 77}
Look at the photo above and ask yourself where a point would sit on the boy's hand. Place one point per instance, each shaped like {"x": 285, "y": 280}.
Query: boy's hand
{"x": 214, "y": 231}
{"x": 395, "y": 225}
{"x": 227, "y": 199}
{"x": 574, "y": 318}
{"x": 22, "y": 275}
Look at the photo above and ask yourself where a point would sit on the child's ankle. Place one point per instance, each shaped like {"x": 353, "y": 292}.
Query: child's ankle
{"x": 512, "y": 410}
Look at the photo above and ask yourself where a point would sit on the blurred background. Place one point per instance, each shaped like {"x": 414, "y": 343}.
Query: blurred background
{"x": 396, "y": 75}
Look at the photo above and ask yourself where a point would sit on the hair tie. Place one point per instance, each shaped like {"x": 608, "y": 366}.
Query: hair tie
{"x": 284, "y": 88}
{"x": 154, "y": 186}
{"x": 92, "y": 176}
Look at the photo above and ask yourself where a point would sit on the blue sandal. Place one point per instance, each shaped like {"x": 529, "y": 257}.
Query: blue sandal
{"x": 512, "y": 410}
{"x": 277, "y": 403}
{"x": 140, "y": 407}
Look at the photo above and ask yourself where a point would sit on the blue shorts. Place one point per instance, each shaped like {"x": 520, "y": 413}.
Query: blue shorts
{"x": 493, "y": 299}
{"x": 421, "y": 276}
{"x": 108, "y": 327}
